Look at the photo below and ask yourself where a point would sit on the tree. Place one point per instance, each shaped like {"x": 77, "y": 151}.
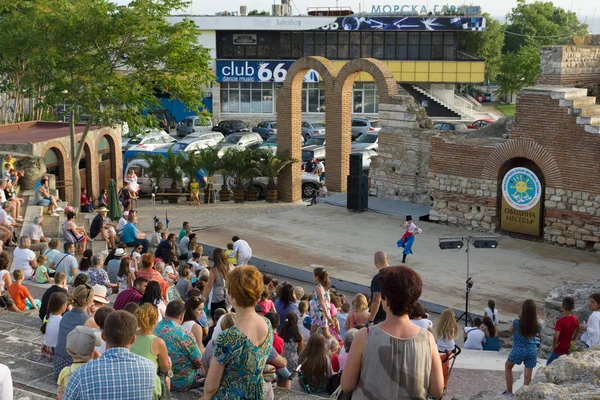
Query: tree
{"x": 108, "y": 61}
{"x": 541, "y": 23}
{"x": 519, "y": 69}
{"x": 486, "y": 44}
{"x": 256, "y": 12}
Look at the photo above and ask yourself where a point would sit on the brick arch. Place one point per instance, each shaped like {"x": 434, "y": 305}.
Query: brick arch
{"x": 64, "y": 169}
{"x": 339, "y": 126}
{"x": 289, "y": 119}
{"x": 113, "y": 158}
{"x": 523, "y": 149}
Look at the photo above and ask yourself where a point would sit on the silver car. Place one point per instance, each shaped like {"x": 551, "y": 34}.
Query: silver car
{"x": 310, "y": 129}
{"x": 191, "y": 124}
{"x": 240, "y": 141}
{"x": 364, "y": 125}
{"x": 198, "y": 141}
{"x": 152, "y": 139}
{"x": 367, "y": 141}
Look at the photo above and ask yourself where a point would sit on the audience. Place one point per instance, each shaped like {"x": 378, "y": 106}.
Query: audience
{"x": 154, "y": 296}
{"x": 97, "y": 275}
{"x": 131, "y": 295}
{"x": 591, "y": 330}
{"x": 216, "y": 282}
{"x": 74, "y": 234}
{"x": 57, "y": 306}
{"x": 348, "y": 339}
{"x": 286, "y": 303}
{"x": 419, "y": 317}
{"x": 359, "y": 314}
{"x": 24, "y": 259}
{"x": 446, "y": 331}
{"x": 35, "y": 233}
{"x": 146, "y": 271}
{"x": 118, "y": 373}
{"x": 60, "y": 286}
{"x": 20, "y": 294}
{"x": 474, "y": 336}
{"x": 240, "y": 352}
{"x": 492, "y": 312}
{"x": 113, "y": 266}
{"x": 66, "y": 262}
{"x": 5, "y": 283}
{"x": 320, "y": 311}
{"x": 182, "y": 347}
{"x": 132, "y": 236}
{"x": 492, "y": 341}
{"x": 415, "y": 370}
{"x": 193, "y": 311}
{"x": 293, "y": 341}
{"x": 316, "y": 365}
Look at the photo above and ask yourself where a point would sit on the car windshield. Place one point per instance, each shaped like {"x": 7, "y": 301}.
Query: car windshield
{"x": 318, "y": 125}
{"x": 315, "y": 142}
{"x": 367, "y": 138}
{"x": 232, "y": 139}
{"x": 272, "y": 139}
{"x": 460, "y": 127}
{"x": 273, "y": 125}
{"x": 307, "y": 155}
{"x": 135, "y": 140}
{"x": 237, "y": 125}
{"x": 179, "y": 146}
{"x": 188, "y": 122}
{"x": 374, "y": 124}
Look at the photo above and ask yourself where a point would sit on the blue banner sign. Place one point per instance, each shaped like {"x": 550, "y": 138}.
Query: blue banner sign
{"x": 257, "y": 71}
{"x": 399, "y": 23}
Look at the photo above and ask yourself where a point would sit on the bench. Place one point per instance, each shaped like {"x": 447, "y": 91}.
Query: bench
{"x": 164, "y": 196}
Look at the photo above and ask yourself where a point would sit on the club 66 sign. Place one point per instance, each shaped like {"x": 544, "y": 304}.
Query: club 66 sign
{"x": 257, "y": 71}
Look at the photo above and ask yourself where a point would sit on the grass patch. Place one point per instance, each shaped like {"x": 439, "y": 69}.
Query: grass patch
{"x": 507, "y": 109}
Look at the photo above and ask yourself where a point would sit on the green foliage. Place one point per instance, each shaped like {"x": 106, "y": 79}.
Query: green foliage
{"x": 507, "y": 109}
{"x": 487, "y": 45}
{"x": 172, "y": 163}
{"x": 550, "y": 24}
{"x": 270, "y": 165}
{"x": 519, "y": 69}
{"x": 256, "y": 12}
{"x": 156, "y": 166}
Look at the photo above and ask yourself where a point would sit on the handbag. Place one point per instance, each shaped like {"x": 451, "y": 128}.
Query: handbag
{"x": 333, "y": 383}
{"x": 340, "y": 395}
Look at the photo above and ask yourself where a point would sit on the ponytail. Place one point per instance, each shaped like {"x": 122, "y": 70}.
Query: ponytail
{"x": 323, "y": 277}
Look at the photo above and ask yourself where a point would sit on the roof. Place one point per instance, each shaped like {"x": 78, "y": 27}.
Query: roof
{"x": 36, "y": 131}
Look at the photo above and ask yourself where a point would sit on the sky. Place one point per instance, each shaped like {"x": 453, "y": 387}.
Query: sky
{"x": 587, "y": 10}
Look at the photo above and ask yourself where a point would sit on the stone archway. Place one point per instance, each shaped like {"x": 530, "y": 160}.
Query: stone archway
{"x": 107, "y": 162}
{"x": 86, "y": 169}
{"x": 54, "y": 161}
{"x": 289, "y": 119}
{"x": 338, "y": 87}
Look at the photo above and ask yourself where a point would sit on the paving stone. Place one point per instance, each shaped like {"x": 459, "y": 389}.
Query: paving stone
{"x": 17, "y": 347}
{"x": 20, "y": 394}
{"x": 26, "y": 333}
{"x": 25, "y": 371}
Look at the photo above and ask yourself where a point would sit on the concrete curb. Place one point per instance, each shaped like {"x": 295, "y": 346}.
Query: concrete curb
{"x": 299, "y": 274}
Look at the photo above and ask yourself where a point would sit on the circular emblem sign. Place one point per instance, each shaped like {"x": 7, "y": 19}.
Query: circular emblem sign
{"x": 521, "y": 188}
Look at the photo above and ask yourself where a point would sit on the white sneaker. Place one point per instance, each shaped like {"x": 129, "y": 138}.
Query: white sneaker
{"x": 59, "y": 209}
{"x": 55, "y": 215}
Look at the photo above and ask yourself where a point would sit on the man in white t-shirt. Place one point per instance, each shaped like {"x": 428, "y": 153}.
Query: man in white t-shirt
{"x": 122, "y": 222}
{"x": 36, "y": 234}
{"x": 474, "y": 337}
{"x": 242, "y": 250}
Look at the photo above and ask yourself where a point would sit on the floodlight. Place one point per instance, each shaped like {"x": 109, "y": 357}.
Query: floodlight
{"x": 485, "y": 243}
{"x": 451, "y": 244}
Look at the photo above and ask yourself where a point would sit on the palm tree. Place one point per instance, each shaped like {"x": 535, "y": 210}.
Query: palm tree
{"x": 156, "y": 167}
{"x": 270, "y": 165}
{"x": 173, "y": 168}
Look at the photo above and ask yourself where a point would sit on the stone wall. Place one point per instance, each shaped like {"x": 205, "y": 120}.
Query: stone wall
{"x": 401, "y": 170}
{"x": 572, "y": 218}
{"x": 577, "y": 66}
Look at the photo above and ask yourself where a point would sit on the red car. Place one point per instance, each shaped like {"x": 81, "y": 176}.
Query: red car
{"x": 480, "y": 123}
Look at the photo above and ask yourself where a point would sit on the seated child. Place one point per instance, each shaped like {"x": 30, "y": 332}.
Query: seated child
{"x": 266, "y": 303}
{"x": 231, "y": 256}
{"x": 41, "y": 272}
{"x": 57, "y": 305}
{"x": 156, "y": 235}
{"x": 81, "y": 344}
{"x": 99, "y": 318}
{"x": 20, "y": 294}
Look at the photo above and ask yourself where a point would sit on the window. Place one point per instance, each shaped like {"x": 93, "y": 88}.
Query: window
{"x": 425, "y": 46}
{"x": 390, "y": 46}
{"x": 313, "y": 98}
{"x": 401, "y": 45}
{"x": 449, "y": 46}
{"x": 438, "y": 46}
{"x": 378, "y": 45}
{"x": 413, "y": 45}
{"x": 366, "y": 44}
{"x": 246, "y": 98}
{"x": 365, "y": 98}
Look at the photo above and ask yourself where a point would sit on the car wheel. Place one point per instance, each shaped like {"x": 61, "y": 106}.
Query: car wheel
{"x": 259, "y": 189}
{"x": 308, "y": 190}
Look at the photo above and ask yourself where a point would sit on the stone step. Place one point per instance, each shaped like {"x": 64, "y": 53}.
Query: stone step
{"x": 588, "y": 111}
{"x": 564, "y": 93}
{"x": 578, "y": 102}
{"x": 592, "y": 128}
{"x": 593, "y": 120}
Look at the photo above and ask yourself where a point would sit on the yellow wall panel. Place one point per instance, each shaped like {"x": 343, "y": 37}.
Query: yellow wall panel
{"x": 449, "y": 66}
{"x": 408, "y": 77}
{"x": 421, "y": 77}
{"x": 477, "y": 66}
{"x": 422, "y": 66}
{"x": 394, "y": 66}
{"x": 436, "y": 66}
{"x": 463, "y": 67}
{"x": 463, "y": 77}
{"x": 397, "y": 76}
{"x": 449, "y": 77}
{"x": 435, "y": 77}
{"x": 408, "y": 66}
{"x": 477, "y": 77}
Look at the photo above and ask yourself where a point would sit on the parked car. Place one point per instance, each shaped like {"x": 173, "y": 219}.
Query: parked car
{"x": 140, "y": 166}
{"x": 450, "y": 126}
{"x": 229, "y": 127}
{"x": 312, "y": 152}
{"x": 367, "y": 141}
{"x": 315, "y": 141}
{"x": 165, "y": 118}
{"x": 152, "y": 139}
{"x": 271, "y": 143}
{"x": 367, "y": 155}
{"x": 310, "y": 129}
{"x": 363, "y": 125}
{"x": 191, "y": 124}
{"x": 310, "y": 183}
{"x": 198, "y": 141}
{"x": 240, "y": 140}
{"x": 480, "y": 123}
{"x": 266, "y": 129}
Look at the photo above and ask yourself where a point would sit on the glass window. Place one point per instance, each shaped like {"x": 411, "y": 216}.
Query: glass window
{"x": 365, "y": 99}
{"x": 332, "y": 45}
{"x": 246, "y": 97}
{"x": 238, "y": 51}
{"x": 251, "y": 51}
{"x": 309, "y": 38}
{"x": 320, "y": 50}
{"x": 51, "y": 157}
{"x": 343, "y": 38}
{"x": 413, "y": 46}
{"x": 320, "y": 37}
{"x": 366, "y": 49}
{"x": 449, "y": 38}
{"x": 285, "y": 38}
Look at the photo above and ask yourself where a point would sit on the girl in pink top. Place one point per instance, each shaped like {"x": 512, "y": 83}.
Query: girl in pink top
{"x": 265, "y": 303}
{"x": 359, "y": 315}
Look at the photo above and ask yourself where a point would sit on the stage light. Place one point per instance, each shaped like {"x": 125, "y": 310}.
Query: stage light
{"x": 485, "y": 243}
{"x": 451, "y": 244}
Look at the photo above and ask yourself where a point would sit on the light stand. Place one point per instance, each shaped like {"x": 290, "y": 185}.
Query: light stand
{"x": 484, "y": 242}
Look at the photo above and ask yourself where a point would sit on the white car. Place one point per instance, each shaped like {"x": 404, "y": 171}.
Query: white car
{"x": 198, "y": 141}
{"x": 155, "y": 139}
{"x": 240, "y": 141}
{"x": 366, "y": 141}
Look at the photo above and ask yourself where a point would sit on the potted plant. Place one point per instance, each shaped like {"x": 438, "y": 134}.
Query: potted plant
{"x": 251, "y": 158}
{"x": 269, "y": 166}
{"x": 236, "y": 164}
{"x": 227, "y": 172}
{"x": 156, "y": 168}
{"x": 174, "y": 172}
{"x": 209, "y": 162}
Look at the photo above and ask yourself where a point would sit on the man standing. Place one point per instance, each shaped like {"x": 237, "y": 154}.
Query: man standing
{"x": 66, "y": 262}
{"x": 321, "y": 170}
{"x": 131, "y": 295}
{"x": 166, "y": 249}
{"x": 36, "y": 234}
{"x": 118, "y": 373}
{"x": 183, "y": 231}
{"x": 242, "y": 250}
{"x": 377, "y": 314}
{"x": 99, "y": 230}
{"x": 60, "y": 285}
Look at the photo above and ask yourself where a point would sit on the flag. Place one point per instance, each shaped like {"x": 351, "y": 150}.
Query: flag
{"x": 166, "y": 219}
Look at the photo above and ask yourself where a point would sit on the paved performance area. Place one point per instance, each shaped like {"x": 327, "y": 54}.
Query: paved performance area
{"x": 344, "y": 242}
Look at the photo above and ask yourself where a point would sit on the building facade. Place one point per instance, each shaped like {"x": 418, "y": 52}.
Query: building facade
{"x": 253, "y": 53}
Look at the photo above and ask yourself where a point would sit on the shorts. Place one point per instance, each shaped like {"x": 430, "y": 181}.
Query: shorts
{"x": 520, "y": 355}
{"x": 44, "y": 202}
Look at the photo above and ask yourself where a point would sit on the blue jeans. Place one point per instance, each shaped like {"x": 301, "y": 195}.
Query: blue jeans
{"x": 408, "y": 245}
{"x": 143, "y": 242}
{"x": 553, "y": 356}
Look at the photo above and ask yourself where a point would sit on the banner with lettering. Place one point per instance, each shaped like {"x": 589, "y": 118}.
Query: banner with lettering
{"x": 521, "y": 202}
{"x": 402, "y": 23}
{"x": 258, "y": 71}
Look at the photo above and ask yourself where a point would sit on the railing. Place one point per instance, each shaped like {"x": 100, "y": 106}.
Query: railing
{"x": 459, "y": 103}
{"x": 467, "y": 57}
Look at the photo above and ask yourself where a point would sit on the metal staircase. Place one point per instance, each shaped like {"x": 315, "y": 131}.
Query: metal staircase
{"x": 461, "y": 107}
